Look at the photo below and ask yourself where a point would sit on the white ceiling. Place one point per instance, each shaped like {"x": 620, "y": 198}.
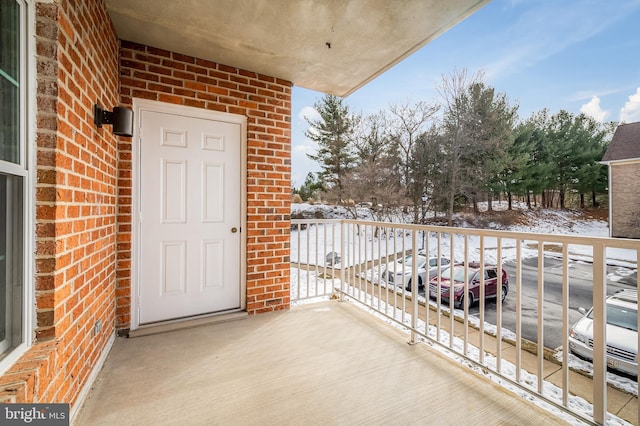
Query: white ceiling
{"x": 333, "y": 46}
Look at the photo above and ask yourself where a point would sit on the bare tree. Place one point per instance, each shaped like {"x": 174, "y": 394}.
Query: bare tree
{"x": 426, "y": 168}
{"x": 373, "y": 178}
{"x": 455, "y": 141}
{"x": 405, "y": 124}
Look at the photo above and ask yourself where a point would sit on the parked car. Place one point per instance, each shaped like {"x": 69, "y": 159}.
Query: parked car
{"x": 456, "y": 272}
{"x": 400, "y": 273}
{"x": 622, "y": 333}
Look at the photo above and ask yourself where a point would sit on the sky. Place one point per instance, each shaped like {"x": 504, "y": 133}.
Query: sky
{"x": 574, "y": 55}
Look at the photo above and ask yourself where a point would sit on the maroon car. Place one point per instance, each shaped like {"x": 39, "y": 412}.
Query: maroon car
{"x": 473, "y": 294}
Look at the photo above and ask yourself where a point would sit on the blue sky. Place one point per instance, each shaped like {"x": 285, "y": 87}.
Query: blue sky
{"x": 576, "y": 55}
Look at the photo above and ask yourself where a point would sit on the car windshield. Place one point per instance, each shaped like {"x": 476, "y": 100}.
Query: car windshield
{"x": 408, "y": 260}
{"x": 620, "y": 317}
{"x": 433, "y": 262}
{"x": 458, "y": 273}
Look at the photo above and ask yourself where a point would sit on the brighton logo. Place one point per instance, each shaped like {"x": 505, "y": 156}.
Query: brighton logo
{"x": 34, "y": 414}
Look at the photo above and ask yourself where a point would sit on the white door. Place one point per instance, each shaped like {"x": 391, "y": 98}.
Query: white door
{"x": 190, "y": 216}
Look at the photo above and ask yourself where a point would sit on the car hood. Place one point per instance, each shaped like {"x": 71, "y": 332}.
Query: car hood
{"x": 616, "y": 336}
{"x": 444, "y": 282}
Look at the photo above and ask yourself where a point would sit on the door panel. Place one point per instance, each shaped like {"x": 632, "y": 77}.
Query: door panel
{"x": 174, "y": 191}
{"x": 190, "y": 186}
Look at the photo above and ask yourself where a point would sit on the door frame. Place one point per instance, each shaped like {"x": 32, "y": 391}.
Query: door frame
{"x": 140, "y": 105}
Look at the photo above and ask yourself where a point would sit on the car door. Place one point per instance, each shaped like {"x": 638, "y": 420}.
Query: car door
{"x": 474, "y": 285}
{"x": 491, "y": 282}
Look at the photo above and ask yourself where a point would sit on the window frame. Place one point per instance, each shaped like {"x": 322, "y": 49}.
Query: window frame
{"x": 24, "y": 168}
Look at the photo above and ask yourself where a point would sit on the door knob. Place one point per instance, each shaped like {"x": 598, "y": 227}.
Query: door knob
{"x": 234, "y": 230}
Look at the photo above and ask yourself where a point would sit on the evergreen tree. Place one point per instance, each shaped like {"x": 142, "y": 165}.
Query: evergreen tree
{"x": 333, "y": 132}
{"x": 478, "y": 129}
{"x": 512, "y": 179}
{"x": 310, "y": 188}
{"x": 489, "y": 121}
{"x": 589, "y": 176}
{"x": 536, "y": 175}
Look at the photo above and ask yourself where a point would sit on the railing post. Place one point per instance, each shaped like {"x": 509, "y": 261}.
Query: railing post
{"x": 415, "y": 288}
{"x": 540, "y": 360}
{"x": 565, "y": 324}
{"x": 599, "y": 334}
{"x": 343, "y": 249}
{"x": 518, "y": 329}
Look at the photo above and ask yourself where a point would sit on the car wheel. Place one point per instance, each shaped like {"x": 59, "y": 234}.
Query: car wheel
{"x": 468, "y": 300}
{"x": 408, "y": 287}
{"x": 505, "y": 290}
{"x": 420, "y": 284}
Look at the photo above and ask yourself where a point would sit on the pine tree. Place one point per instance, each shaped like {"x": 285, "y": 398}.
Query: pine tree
{"x": 511, "y": 179}
{"x": 333, "y": 132}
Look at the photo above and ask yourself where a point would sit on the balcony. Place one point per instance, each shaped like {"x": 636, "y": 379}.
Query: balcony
{"x": 355, "y": 350}
{"x": 327, "y": 362}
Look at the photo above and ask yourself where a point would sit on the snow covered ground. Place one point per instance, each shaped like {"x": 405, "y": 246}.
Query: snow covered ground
{"x": 557, "y": 222}
{"x": 311, "y": 246}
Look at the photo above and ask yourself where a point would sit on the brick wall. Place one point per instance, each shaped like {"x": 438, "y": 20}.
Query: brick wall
{"x": 160, "y": 75}
{"x": 625, "y": 204}
{"x": 75, "y": 197}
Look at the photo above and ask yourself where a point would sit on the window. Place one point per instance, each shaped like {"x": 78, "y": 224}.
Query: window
{"x": 13, "y": 175}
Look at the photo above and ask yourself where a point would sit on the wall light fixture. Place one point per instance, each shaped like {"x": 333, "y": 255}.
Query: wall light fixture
{"x": 120, "y": 118}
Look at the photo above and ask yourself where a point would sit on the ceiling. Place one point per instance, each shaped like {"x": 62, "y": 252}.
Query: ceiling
{"x": 332, "y": 46}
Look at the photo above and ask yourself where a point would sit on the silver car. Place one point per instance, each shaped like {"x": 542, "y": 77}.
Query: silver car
{"x": 622, "y": 333}
{"x": 399, "y": 273}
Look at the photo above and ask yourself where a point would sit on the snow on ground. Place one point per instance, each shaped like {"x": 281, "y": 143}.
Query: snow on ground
{"x": 619, "y": 382}
{"x": 557, "y": 222}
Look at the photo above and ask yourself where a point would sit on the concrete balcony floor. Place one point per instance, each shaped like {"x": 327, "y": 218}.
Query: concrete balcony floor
{"x": 322, "y": 363}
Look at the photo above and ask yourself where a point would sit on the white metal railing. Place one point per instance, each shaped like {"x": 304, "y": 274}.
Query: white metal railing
{"x": 348, "y": 258}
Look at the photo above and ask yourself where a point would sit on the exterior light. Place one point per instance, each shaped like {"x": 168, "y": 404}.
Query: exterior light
{"x": 120, "y": 118}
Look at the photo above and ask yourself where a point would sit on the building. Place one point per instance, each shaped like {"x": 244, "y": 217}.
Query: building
{"x": 623, "y": 159}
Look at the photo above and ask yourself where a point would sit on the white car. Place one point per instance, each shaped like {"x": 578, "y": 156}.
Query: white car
{"x": 622, "y": 333}
{"x": 399, "y": 273}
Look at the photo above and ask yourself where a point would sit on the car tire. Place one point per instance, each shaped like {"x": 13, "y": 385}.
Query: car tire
{"x": 468, "y": 300}
{"x": 420, "y": 285}
{"x": 505, "y": 291}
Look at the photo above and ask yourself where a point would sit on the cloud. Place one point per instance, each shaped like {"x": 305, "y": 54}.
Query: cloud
{"x": 308, "y": 113}
{"x": 630, "y": 112}
{"x": 541, "y": 31}
{"x": 304, "y": 147}
{"x": 588, "y": 94}
{"x": 593, "y": 109}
